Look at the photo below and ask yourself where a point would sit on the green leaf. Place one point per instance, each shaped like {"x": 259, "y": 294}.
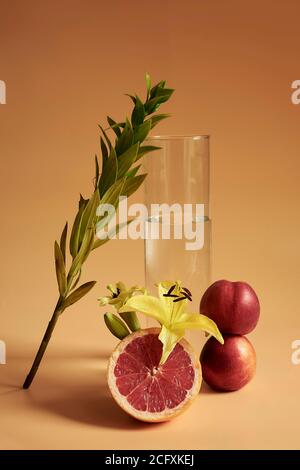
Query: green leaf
{"x": 157, "y": 118}
{"x": 114, "y": 126}
{"x": 85, "y": 249}
{"x": 89, "y": 215}
{"x": 133, "y": 172}
{"x": 116, "y": 326}
{"x": 148, "y": 84}
{"x": 112, "y": 194}
{"x": 63, "y": 242}
{"x": 106, "y": 138}
{"x": 82, "y": 202}
{"x": 146, "y": 149}
{"x": 97, "y": 171}
{"x": 131, "y": 320}
{"x": 138, "y": 113}
{"x": 157, "y": 87}
{"x": 78, "y": 293}
{"x": 162, "y": 96}
{"x": 97, "y": 243}
{"x": 152, "y": 105}
{"x": 132, "y": 184}
{"x": 109, "y": 173}
{"x": 141, "y": 132}
{"x": 88, "y": 247}
{"x": 83, "y": 233}
{"x": 74, "y": 238}
{"x": 110, "y": 197}
{"x": 114, "y": 231}
{"x": 126, "y": 139}
{"x": 60, "y": 269}
{"x": 104, "y": 151}
{"x": 121, "y": 124}
{"x": 133, "y": 98}
{"x": 127, "y": 159}
{"x": 164, "y": 93}
{"x": 76, "y": 280}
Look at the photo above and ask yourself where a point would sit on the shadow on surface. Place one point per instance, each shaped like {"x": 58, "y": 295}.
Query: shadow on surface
{"x": 63, "y": 354}
{"x": 91, "y": 404}
{"x": 74, "y": 388}
{"x": 12, "y": 388}
{"x": 206, "y": 389}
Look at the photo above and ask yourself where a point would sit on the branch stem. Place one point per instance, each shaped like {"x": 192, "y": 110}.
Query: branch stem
{"x": 43, "y": 346}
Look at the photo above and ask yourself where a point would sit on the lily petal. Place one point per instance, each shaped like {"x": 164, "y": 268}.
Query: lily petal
{"x": 179, "y": 309}
{"x": 169, "y": 339}
{"x": 120, "y": 294}
{"x": 165, "y": 286}
{"x": 120, "y": 285}
{"x": 149, "y": 305}
{"x": 111, "y": 288}
{"x": 175, "y": 309}
{"x": 103, "y": 301}
{"x": 196, "y": 321}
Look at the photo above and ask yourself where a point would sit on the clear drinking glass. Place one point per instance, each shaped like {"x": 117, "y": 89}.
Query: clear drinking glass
{"x": 178, "y": 173}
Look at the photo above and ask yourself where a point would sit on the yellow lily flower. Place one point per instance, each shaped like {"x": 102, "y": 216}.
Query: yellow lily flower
{"x": 119, "y": 294}
{"x": 170, "y": 310}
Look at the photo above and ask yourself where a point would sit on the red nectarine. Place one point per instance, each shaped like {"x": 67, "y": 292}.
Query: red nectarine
{"x": 233, "y": 306}
{"x": 230, "y": 366}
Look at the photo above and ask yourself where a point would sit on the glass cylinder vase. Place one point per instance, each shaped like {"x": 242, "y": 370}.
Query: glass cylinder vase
{"x": 178, "y": 179}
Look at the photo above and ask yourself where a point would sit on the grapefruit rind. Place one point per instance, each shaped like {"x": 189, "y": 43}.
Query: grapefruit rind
{"x": 167, "y": 413}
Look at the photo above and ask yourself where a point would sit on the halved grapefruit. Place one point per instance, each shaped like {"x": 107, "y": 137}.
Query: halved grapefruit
{"x": 149, "y": 391}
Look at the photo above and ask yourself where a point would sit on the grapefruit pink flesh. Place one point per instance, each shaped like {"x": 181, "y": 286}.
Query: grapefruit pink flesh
{"x": 146, "y": 389}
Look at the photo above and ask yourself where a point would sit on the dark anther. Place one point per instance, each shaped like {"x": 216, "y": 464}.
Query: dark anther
{"x": 187, "y": 291}
{"x": 171, "y": 289}
{"x": 179, "y": 298}
{"x": 115, "y": 294}
{"x": 185, "y": 296}
{"x": 169, "y": 293}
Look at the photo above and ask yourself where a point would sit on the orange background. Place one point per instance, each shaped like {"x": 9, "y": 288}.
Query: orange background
{"x": 66, "y": 65}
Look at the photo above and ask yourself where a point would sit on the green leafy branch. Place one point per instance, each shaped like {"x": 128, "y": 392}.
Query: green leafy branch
{"x": 118, "y": 177}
